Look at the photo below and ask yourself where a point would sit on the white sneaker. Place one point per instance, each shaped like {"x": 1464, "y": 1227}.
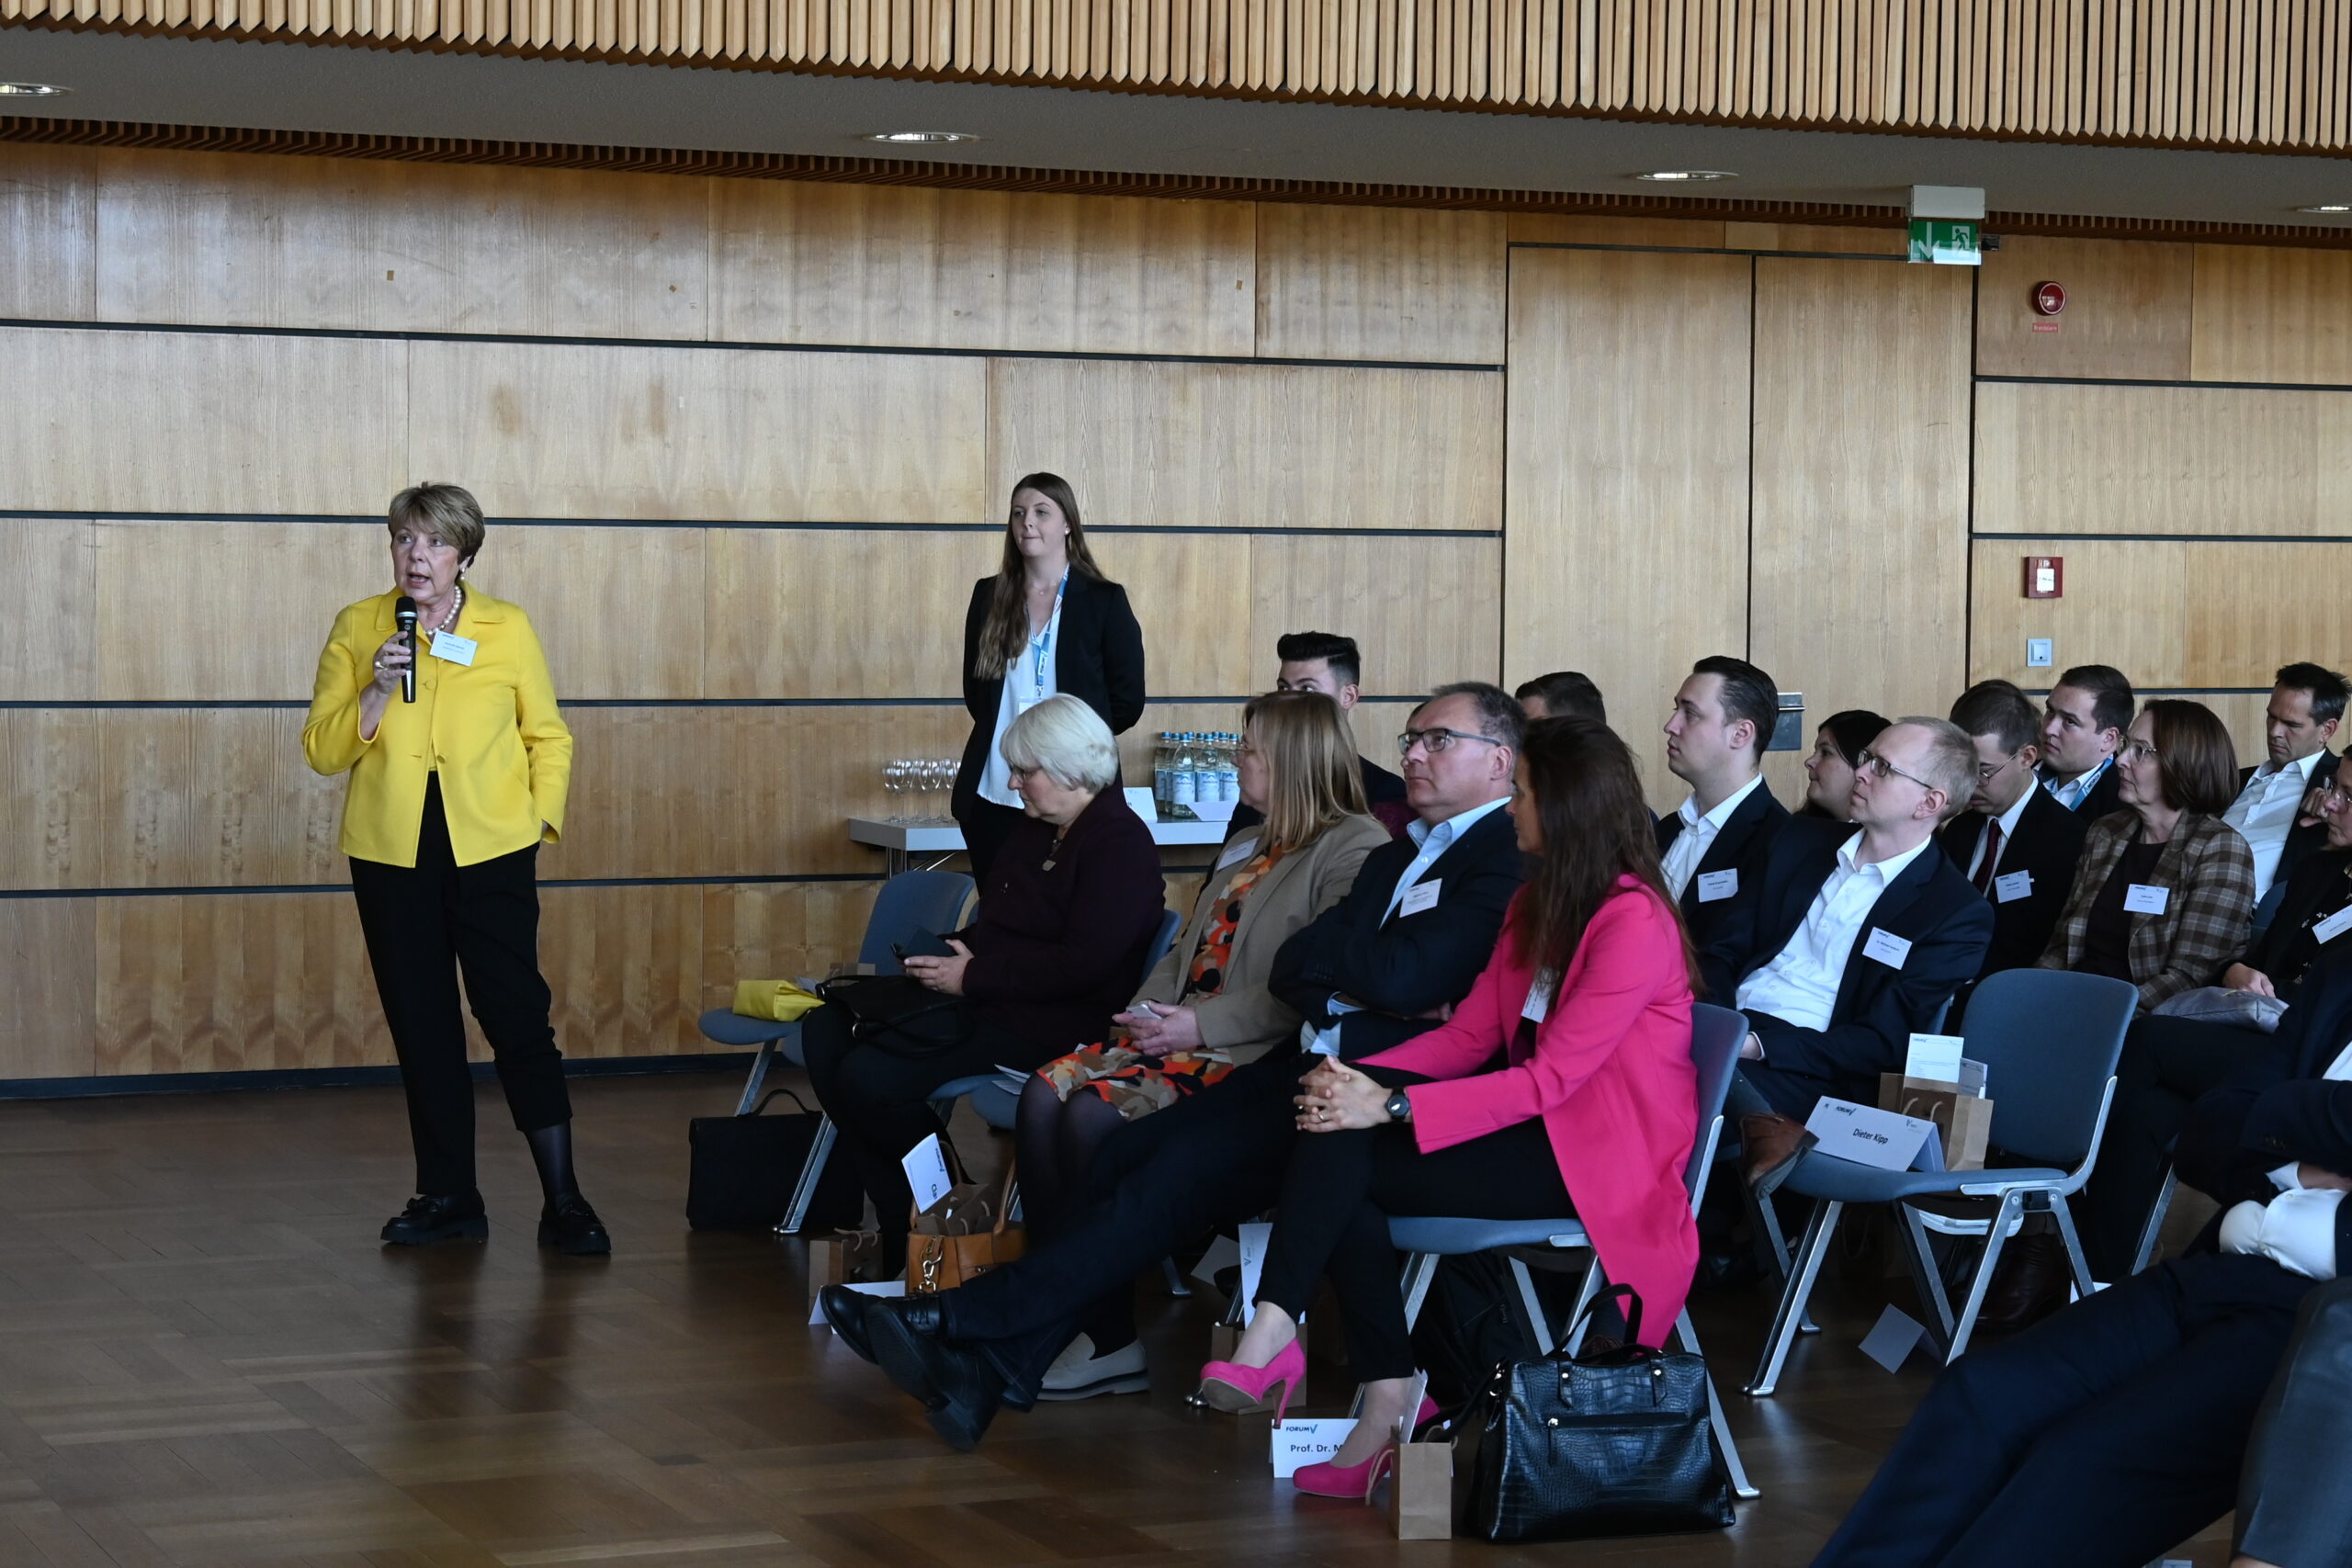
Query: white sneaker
{"x": 1079, "y": 1373}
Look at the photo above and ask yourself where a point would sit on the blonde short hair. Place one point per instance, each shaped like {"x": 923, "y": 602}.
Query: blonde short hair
{"x": 448, "y": 513}
{"x": 1068, "y": 739}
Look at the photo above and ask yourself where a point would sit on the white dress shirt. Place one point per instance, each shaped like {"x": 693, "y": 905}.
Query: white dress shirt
{"x": 1698, "y": 835}
{"x": 2070, "y": 794}
{"x": 1431, "y": 843}
{"x": 2008, "y": 821}
{"x": 2296, "y": 1230}
{"x": 1028, "y": 680}
{"x": 2265, "y": 811}
{"x": 1800, "y": 985}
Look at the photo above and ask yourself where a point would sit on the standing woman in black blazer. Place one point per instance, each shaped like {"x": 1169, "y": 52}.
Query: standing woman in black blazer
{"x": 1047, "y": 623}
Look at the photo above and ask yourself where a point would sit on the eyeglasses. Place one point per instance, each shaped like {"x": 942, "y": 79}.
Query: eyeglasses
{"x": 1436, "y": 741}
{"x": 1988, "y": 772}
{"x": 1880, "y": 768}
{"x": 2334, "y": 792}
{"x": 2139, "y": 752}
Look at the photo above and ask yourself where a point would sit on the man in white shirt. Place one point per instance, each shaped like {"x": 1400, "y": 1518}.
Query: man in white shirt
{"x": 2083, "y": 726}
{"x": 1856, "y": 937}
{"x": 2306, "y": 706}
{"x": 1715, "y": 738}
{"x": 2015, "y": 844}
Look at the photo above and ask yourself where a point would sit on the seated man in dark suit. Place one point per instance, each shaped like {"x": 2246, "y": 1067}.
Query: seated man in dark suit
{"x": 1713, "y": 848}
{"x": 1852, "y": 938}
{"x": 1376, "y": 968}
{"x": 1330, "y": 663}
{"x": 2274, "y": 808}
{"x": 1564, "y": 693}
{"x": 2015, "y": 844}
{"x": 2113, "y": 1430}
{"x": 2082, "y": 728}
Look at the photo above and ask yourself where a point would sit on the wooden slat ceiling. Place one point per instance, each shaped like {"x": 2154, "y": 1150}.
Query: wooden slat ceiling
{"x": 2269, "y": 76}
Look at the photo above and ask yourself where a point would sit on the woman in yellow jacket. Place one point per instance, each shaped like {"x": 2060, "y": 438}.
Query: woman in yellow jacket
{"x": 451, "y": 796}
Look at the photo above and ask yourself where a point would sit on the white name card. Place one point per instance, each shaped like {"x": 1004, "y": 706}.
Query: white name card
{"x": 926, "y": 1169}
{"x": 2335, "y": 926}
{"x": 1867, "y": 1135}
{"x": 1717, "y": 886}
{"x": 1886, "y": 947}
{"x": 1238, "y": 851}
{"x": 1308, "y": 1442}
{"x": 1418, "y": 896}
{"x": 1934, "y": 1057}
{"x": 2145, "y": 898}
{"x": 2017, "y": 884}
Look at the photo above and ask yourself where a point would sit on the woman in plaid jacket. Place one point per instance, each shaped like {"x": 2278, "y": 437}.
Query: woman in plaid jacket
{"x": 2165, "y": 888}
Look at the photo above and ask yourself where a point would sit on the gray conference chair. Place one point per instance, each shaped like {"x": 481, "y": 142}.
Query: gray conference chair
{"x": 2048, "y": 1041}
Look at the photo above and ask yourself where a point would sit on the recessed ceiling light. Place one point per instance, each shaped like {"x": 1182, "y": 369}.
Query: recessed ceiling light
{"x": 2328, "y": 206}
{"x": 916, "y": 138}
{"x": 1681, "y": 176}
{"x": 32, "y": 90}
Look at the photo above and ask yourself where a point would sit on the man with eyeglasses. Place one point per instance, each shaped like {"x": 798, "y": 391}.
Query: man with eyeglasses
{"x": 2275, "y": 809}
{"x": 1854, "y": 936}
{"x": 2015, "y": 844}
{"x": 1713, "y": 847}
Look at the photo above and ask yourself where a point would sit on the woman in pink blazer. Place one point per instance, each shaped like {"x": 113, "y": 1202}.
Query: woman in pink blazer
{"x": 1590, "y": 1112}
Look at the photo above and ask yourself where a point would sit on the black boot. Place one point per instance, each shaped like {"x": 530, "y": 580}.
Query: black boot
{"x": 566, "y": 1222}
{"x": 427, "y": 1221}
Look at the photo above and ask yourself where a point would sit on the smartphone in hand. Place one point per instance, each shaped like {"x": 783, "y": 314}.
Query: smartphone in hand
{"x": 922, "y": 944}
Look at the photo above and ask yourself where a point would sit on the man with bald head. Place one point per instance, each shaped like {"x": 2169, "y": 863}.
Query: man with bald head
{"x": 1854, "y": 938}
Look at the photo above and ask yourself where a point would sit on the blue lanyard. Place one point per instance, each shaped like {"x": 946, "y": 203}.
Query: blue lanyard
{"x": 1040, "y": 647}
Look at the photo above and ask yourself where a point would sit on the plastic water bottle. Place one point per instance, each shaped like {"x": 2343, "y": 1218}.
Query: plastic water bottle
{"x": 1228, "y": 768}
{"x": 1183, "y": 778}
{"x": 1163, "y": 760}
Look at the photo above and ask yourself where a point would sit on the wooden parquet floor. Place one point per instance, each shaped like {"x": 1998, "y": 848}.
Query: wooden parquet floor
{"x": 206, "y": 1358}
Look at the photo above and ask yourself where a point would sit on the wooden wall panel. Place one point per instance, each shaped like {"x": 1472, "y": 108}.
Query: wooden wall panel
{"x": 1668, "y": 233}
{"x": 48, "y": 232}
{"x": 2255, "y": 608}
{"x": 253, "y": 241}
{"x": 1233, "y": 446}
{"x": 2127, "y": 316}
{"x": 1860, "y": 499}
{"x": 1380, "y": 282}
{"x": 555, "y": 431}
{"x": 778, "y": 931}
{"x": 777, "y": 621}
{"x": 894, "y": 264}
{"x": 49, "y": 763}
{"x": 49, "y": 636}
{"x": 625, "y": 965}
{"x": 2126, "y": 605}
{"x": 1627, "y": 552}
{"x": 2273, "y": 315}
{"x": 2053, "y": 458}
{"x": 47, "y": 1016}
{"x": 326, "y": 439}
{"x": 1424, "y": 611}
{"x": 615, "y": 608}
{"x": 1838, "y": 238}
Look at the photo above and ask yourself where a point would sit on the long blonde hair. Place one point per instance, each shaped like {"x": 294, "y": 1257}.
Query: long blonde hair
{"x": 1006, "y": 631}
{"x": 1313, "y": 774}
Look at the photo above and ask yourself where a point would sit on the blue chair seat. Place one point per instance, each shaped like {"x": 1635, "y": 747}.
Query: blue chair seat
{"x": 994, "y": 1099}
{"x": 1453, "y": 1237}
{"x": 1844, "y": 1182}
{"x": 729, "y": 1027}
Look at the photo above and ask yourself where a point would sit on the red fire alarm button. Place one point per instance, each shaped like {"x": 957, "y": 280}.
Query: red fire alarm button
{"x": 2049, "y": 299}
{"x": 2045, "y": 576}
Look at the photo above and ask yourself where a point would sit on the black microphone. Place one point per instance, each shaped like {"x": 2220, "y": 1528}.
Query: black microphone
{"x": 404, "y": 615}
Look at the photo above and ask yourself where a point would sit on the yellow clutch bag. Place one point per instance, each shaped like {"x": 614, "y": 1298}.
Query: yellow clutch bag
{"x": 780, "y": 1000}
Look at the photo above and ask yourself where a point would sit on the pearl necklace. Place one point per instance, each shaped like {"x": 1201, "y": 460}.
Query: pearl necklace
{"x": 456, "y": 604}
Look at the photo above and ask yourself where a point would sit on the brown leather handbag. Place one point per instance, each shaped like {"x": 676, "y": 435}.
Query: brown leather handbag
{"x": 961, "y": 1237}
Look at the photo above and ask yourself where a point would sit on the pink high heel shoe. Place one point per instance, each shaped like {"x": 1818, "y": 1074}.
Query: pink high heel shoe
{"x": 1328, "y": 1480}
{"x": 1234, "y": 1388}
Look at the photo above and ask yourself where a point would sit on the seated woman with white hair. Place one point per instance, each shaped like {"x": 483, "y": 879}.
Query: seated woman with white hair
{"x": 1063, "y": 925}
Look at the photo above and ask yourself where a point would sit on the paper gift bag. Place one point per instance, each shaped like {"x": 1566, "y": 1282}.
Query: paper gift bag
{"x": 1420, "y": 1491}
{"x": 841, "y": 1259}
{"x": 1964, "y": 1120}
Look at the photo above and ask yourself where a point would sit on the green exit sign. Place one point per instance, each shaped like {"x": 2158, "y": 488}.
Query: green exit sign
{"x": 1946, "y": 241}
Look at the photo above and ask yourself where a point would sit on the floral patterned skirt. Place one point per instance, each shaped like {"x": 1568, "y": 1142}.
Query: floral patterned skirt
{"x": 1132, "y": 1083}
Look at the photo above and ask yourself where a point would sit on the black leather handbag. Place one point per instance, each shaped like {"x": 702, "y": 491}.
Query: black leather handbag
{"x": 1613, "y": 1442}
{"x": 899, "y": 1014}
{"x": 742, "y": 1171}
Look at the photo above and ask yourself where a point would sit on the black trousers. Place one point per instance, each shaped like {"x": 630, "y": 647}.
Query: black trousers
{"x": 1214, "y": 1159}
{"x": 2167, "y": 1064}
{"x": 423, "y": 927}
{"x": 2295, "y": 1496}
{"x": 1333, "y": 1218}
{"x": 2101, "y": 1435}
{"x": 880, "y": 1103}
{"x": 986, "y": 826}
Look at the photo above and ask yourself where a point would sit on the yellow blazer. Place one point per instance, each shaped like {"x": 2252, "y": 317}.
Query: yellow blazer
{"x": 491, "y": 729}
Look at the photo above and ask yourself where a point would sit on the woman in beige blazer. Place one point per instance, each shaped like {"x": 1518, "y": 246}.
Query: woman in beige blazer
{"x": 1204, "y": 1007}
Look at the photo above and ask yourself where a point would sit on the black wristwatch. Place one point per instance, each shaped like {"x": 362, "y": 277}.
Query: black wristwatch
{"x": 1399, "y": 1106}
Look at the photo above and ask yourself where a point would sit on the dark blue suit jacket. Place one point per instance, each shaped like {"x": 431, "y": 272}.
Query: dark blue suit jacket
{"x": 1879, "y": 1006}
{"x": 1742, "y": 844}
{"x": 1411, "y": 962}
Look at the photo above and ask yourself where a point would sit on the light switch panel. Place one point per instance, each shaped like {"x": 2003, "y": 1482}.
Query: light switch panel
{"x": 2037, "y": 653}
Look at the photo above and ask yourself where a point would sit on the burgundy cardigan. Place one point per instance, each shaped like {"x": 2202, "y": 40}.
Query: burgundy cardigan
{"x": 1056, "y": 953}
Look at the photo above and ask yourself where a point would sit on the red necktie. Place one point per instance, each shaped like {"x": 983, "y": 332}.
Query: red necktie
{"x": 1992, "y": 857}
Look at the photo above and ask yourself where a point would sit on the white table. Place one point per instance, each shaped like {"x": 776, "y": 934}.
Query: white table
{"x": 901, "y": 842}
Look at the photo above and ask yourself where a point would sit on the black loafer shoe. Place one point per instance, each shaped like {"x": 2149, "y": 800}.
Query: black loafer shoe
{"x": 845, "y": 1310}
{"x": 428, "y": 1221}
{"x": 569, "y": 1225}
{"x": 957, "y": 1387}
